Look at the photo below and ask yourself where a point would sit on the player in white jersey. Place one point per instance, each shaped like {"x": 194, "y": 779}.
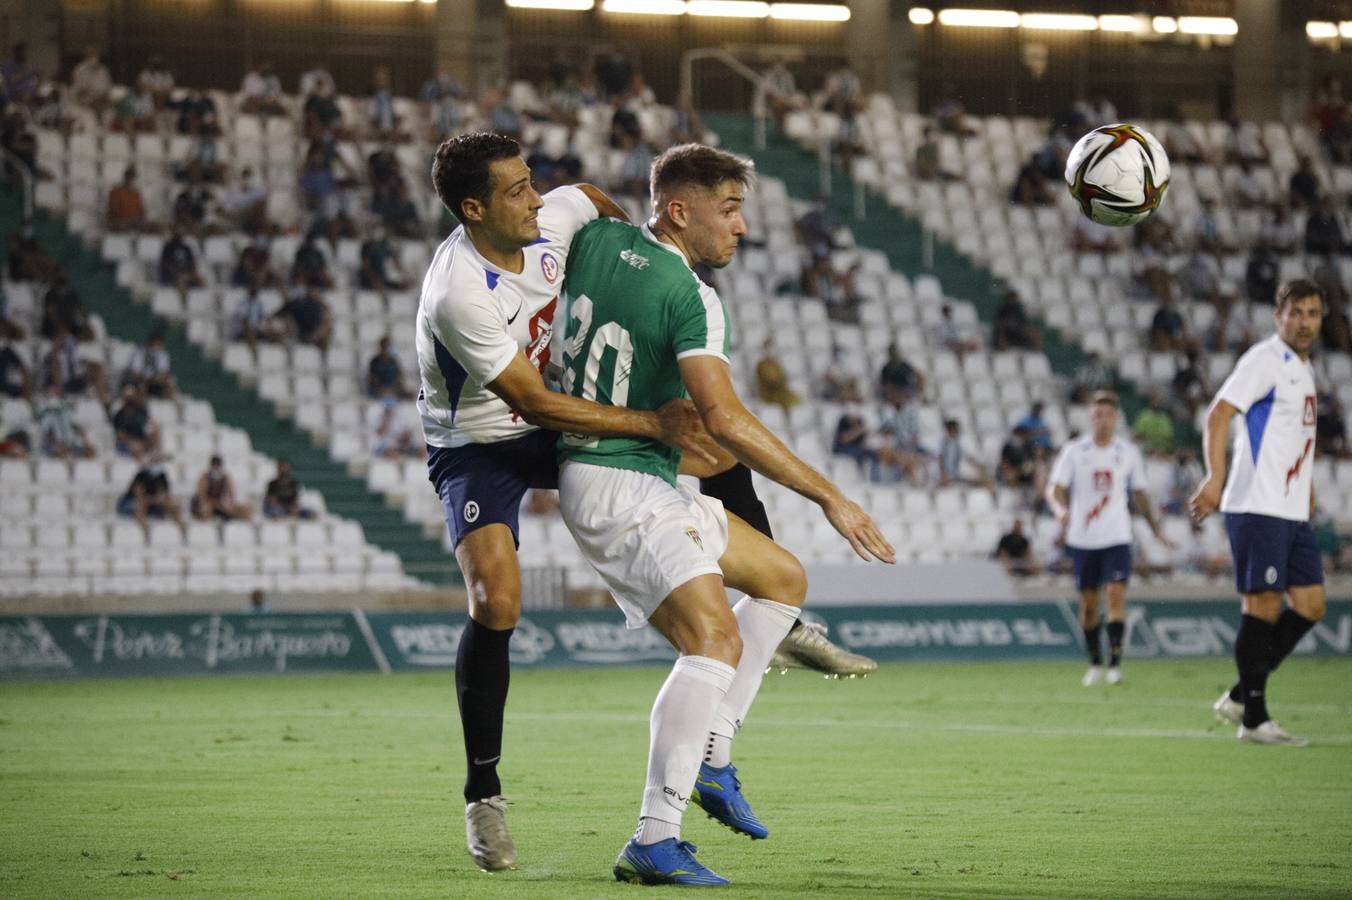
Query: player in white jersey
{"x": 1268, "y": 500}
{"x": 1091, "y": 482}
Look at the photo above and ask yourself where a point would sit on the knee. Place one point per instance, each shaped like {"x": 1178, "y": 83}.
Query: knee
{"x": 721, "y": 641}
{"x": 789, "y": 582}
{"x": 1312, "y": 608}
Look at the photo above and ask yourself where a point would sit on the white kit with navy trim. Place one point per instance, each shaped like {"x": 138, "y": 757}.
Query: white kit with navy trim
{"x": 1100, "y": 480}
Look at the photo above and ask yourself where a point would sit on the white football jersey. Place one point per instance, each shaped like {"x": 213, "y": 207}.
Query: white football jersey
{"x": 1100, "y": 481}
{"x": 473, "y": 318}
{"x": 1270, "y": 470}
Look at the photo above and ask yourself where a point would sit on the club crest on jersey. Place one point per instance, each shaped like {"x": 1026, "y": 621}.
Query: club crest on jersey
{"x": 550, "y": 267}
{"x": 1309, "y": 410}
{"x": 694, "y": 536}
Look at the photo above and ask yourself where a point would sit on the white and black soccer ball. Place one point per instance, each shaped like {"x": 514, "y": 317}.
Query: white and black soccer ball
{"x": 1118, "y": 174}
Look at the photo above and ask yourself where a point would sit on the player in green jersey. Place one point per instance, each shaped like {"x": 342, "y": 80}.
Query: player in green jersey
{"x": 642, "y": 329}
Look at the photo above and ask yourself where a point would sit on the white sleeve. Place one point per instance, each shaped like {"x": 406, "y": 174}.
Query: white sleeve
{"x": 1062, "y": 470}
{"x": 1248, "y": 383}
{"x": 566, "y": 210}
{"x": 473, "y": 329}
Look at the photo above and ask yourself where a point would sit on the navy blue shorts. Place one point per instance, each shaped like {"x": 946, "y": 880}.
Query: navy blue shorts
{"x": 482, "y": 484}
{"x": 1272, "y": 554}
{"x": 1095, "y": 568}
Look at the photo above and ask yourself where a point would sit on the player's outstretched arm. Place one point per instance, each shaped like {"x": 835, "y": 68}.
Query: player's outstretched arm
{"x": 1207, "y": 499}
{"x": 677, "y": 423}
{"x": 732, "y": 425}
{"x": 1147, "y": 509}
{"x": 606, "y": 208}
{"x": 1058, "y": 499}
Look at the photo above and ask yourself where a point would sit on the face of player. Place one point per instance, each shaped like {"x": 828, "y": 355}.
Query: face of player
{"x": 511, "y": 216}
{"x": 1298, "y": 323}
{"x": 716, "y": 224}
{"x": 1103, "y": 422}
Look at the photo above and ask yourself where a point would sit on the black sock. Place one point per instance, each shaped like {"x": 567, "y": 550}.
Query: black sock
{"x": 1115, "y": 632}
{"x": 1290, "y": 628}
{"x": 738, "y": 495}
{"x": 1253, "y": 657}
{"x": 1091, "y": 642}
{"x": 481, "y": 675}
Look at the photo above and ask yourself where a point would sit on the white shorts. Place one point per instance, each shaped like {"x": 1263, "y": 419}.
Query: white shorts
{"x": 644, "y": 537}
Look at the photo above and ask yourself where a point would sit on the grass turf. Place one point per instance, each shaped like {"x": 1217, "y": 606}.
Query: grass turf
{"x": 956, "y": 780}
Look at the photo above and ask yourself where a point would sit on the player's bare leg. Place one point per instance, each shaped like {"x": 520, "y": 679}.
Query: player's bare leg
{"x": 1116, "y": 593}
{"x": 696, "y": 619}
{"x": 487, "y": 557}
{"x": 1092, "y": 625}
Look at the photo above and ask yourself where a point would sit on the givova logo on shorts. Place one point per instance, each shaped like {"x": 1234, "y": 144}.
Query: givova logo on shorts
{"x": 471, "y": 511}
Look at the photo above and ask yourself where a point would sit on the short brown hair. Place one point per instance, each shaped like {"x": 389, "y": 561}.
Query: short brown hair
{"x": 1108, "y": 397}
{"x": 697, "y": 164}
{"x": 1296, "y": 289}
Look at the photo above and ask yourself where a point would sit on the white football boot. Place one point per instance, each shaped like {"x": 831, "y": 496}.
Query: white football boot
{"x": 486, "y": 834}
{"x": 1270, "y": 733}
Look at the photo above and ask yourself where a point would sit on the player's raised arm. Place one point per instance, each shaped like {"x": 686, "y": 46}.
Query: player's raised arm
{"x": 1207, "y": 498}
{"x": 606, "y": 208}
{"x": 677, "y": 423}
{"x": 725, "y": 417}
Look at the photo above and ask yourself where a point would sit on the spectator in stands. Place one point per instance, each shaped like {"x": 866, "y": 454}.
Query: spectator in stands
{"x": 384, "y": 122}
{"x": 1246, "y": 191}
{"x": 1011, "y": 328}
{"x": 244, "y": 205}
{"x": 951, "y": 115}
{"x": 1189, "y": 389}
{"x": 16, "y": 444}
{"x": 632, "y": 178}
{"x": 1229, "y": 332}
{"x": 1168, "y": 332}
{"x": 318, "y": 184}
{"x": 949, "y": 335}
{"x": 137, "y": 434}
{"x": 214, "y": 498}
{"x": 316, "y": 78}
{"x": 397, "y": 210}
{"x": 18, "y": 77}
{"x": 1208, "y": 233}
{"x": 282, "y": 498}
{"x": 1200, "y": 279}
{"x": 28, "y": 261}
{"x": 178, "y": 264}
{"x": 1336, "y": 334}
{"x": 818, "y": 226}
{"x": 1330, "y": 428}
{"x": 134, "y": 112}
{"x": 126, "y": 208}
{"x": 253, "y": 271}
{"x": 1018, "y": 461}
{"x": 1261, "y": 273}
{"x": 1184, "y": 476}
{"x": 1092, "y": 375}
{"x": 613, "y": 72}
{"x": 1329, "y": 112}
{"x": 781, "y": 91}
{"x": 1153, "y": 428}
{"x": 310, "y": 267}
{"x": 772, "y": 382}
{"x": 10, "y": 330}
{"x": 1015, "y": 553}
{"x": 320, "y": 115}
{"x": 1323, "y": 231}
{"x": 956, "y": 465}
{"x": 504, "y": 119}
{"x": 1278, "y": 230}
{"x": 384, "y": 373}
{"x": 260, "y": 93}
{"x": 444, "y": 96}
{"x": 258, "y": 602}
{"x": 929, "y": 158}
{"x": 839, "y": 384}
{"x": 852, "y": 439}
{"x": 899, "y": 381}
{"x": 1030, "y": 188}
{"x": 60, "y": 436}
{"x": 15, "y": 380}
{"x": 307, "y": 319}
{"x": 191, "y": 208}
{"x": 148, "y": 496}
{"x": 202, "y": 165}
{"x": 251, "y": 322}
{"x": 90, "y": 82}
{"x": 1039, "y": 433}
{"x": 63, "y": 312}
{"x": 73, "y": 373}
{"x": 899, "y": 446}
{"x": 150, "y": 370}
{"x": 388, "y": 434}
{"x": 380, "y": 270}
{"x": 197, "y": 114}
{"x": 157, "y": 81}
{"x": 1305, "y": 187}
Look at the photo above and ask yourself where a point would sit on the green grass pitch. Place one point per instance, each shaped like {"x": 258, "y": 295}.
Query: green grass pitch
{"x": 953, "y": 780}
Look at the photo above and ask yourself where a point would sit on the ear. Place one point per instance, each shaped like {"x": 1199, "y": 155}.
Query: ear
{"x": 472, "y": 210}
{"x": 678, "y": 212}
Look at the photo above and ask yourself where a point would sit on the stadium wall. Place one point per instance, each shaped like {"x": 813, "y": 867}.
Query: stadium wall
{"x": 225, "y": 644}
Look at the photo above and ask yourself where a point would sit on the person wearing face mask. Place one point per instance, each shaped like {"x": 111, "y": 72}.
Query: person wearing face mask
{"x": 388, "y": 435}
{"x": 215, "y": 495}
{"x": 148, "y": 496}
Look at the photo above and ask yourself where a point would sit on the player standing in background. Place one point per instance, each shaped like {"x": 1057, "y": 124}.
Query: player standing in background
{"x": 1088, "y": 490}
{"x": 484, "y": 323}
{"x": 642, "y": 329}
{"x": 1268, "y": 500}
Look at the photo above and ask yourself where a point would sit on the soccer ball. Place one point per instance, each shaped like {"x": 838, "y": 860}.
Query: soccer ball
{"x": 1118, "y": 174}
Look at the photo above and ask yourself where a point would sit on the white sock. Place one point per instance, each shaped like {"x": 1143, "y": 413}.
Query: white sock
{"x": 763, "y": 624}
{"x": 677, "y": 729}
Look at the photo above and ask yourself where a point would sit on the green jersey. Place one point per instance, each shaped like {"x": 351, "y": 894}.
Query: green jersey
{"x": 633, "y": 309}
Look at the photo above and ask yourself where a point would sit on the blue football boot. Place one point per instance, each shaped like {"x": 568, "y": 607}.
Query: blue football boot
{"x": 671, "y": 861}
{"x": 719, "y": 793}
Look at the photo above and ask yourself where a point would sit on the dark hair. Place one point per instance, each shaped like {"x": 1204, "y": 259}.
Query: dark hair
{"x": 216, "y": 460}
{"x": 1295, "y": 289}
{"x": 1106, "y": 397}
{"x": 687, "y": 164}
{"x": 460, "y": 168}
